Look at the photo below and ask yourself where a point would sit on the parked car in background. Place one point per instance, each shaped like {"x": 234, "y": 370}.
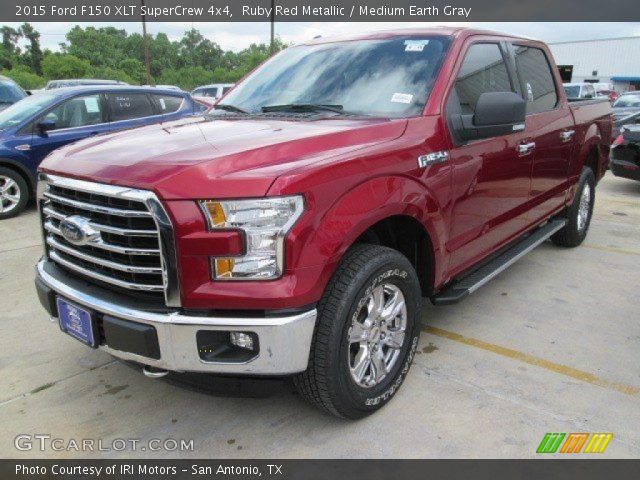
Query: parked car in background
{"x": 10, "y": 92}
{"x": 625, "y": 153}
{"x": 168, "y": 87}
{"x": 38, "y": 124}
{"x": 626, "y": 110}
{"x": 214, "y": 90}
{"x": 78, "y": 82}
{"x": 205, "y": 102}
{"x": 295, "y": 229}
{"x": 579, "y": 90}
{"x": 606, "y": 90}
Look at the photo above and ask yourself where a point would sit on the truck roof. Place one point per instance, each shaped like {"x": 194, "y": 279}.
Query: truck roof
{"x": 440, "y": 30}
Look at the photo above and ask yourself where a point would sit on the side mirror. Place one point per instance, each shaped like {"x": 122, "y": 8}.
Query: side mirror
{"x": 45, "y": 125}
{"x": 497, "y": 113}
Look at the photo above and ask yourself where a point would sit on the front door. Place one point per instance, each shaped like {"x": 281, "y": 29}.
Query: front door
{"x": 491, "y": 177}
{"x": 73, "y": 119}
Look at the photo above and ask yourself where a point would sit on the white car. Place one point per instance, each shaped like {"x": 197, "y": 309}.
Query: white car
{"x": 579, "y": 90}
{"x": 215, "y": 90}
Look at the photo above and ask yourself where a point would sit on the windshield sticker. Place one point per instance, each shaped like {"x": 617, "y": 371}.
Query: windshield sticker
{"x": 401, "y": 98}
{"x": 415, "y": 45}
{"x": 91, "y": 104}
{"x": 162, "y": 104}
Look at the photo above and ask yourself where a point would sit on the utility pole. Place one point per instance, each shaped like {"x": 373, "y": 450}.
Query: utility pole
{"x": 273, "y": 22}
{"x": 145, "y": 42}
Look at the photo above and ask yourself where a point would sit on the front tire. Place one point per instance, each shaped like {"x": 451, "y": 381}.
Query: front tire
{"x": 579, "y": 213}
{"x": 14, "y": 193}
{"x": 366, "y": 333}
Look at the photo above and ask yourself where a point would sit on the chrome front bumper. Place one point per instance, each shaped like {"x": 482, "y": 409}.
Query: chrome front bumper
{"x": 285, "y": 341}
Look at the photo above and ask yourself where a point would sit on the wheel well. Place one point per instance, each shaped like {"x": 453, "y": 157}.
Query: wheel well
{"x": 23, "y": 174}
{"x": 592, "y": 160}
{"x": 406, "y": 235}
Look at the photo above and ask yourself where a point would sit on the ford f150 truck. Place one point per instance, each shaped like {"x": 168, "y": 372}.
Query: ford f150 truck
{"x": 295, "y": 229}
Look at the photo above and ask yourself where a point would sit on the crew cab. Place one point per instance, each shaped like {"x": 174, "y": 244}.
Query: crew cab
{"x": 295, "y": 228}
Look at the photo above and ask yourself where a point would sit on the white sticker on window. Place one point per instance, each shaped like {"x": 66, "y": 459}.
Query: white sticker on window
{"x": 415, "y": 45}
{"x": 91, "y": 104}
{"x": 162, "y": 104}
{"x": 401, "y": 98}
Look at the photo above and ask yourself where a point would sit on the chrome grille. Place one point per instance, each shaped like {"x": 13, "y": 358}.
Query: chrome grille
{"x": 120, "y": 235}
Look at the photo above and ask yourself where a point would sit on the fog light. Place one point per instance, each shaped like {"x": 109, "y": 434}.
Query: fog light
{"x": 242, "y": 340}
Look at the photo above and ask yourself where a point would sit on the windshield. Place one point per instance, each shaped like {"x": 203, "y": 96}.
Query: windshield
{"x": 388, "y": 77}
{"x": 572, "y": 91}
{"x": 19, "y": 112}
{"x": 627, "y": 101}
{"x": 10, "y": 93}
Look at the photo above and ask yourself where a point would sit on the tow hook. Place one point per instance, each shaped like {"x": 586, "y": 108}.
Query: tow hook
{"x": 153, "y": 372}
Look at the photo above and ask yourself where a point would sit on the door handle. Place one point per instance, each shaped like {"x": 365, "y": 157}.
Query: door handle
{"x": 526, "y": 148}
{"x": 567, "y": 135}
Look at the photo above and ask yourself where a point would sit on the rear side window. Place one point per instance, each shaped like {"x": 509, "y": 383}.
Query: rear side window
{"x": 126, "y": 106}
{"x": 225, "y": 90}
{"x": 483, "y": 70}
{"x": 168, "y": 103}
{"x": 537, "y": 80}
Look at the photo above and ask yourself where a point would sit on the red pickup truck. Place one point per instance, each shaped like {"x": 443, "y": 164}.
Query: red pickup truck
{"x": 295, "y": 228}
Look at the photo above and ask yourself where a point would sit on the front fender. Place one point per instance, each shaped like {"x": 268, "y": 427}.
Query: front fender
{"x": 363, "y": 206}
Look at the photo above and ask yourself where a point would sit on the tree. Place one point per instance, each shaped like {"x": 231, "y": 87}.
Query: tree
{"x": 33, "y": 52}
{"x": 23, "y": 76}
{"x": 57, "y": 66}
{"x": 134, "y": 69}
{"x": 109, "y": 73}
{"x": 10, "y": 37}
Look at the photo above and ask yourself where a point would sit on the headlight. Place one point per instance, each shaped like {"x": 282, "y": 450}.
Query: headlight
{"x": 265, "y": 223}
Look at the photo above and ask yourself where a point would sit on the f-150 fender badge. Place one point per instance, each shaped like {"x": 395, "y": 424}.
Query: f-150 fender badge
{"x": 433, "y": 158}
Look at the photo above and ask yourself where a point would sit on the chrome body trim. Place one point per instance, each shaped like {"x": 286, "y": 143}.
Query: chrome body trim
{"x": 155, "y": 210}
{"x": 285, "y": 341}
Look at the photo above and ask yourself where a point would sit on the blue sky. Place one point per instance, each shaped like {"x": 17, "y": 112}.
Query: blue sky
{"x": 236, "y": 36}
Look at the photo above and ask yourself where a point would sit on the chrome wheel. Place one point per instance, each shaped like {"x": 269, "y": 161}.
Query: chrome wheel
{"x": 9, "y": 194}
{"x": 376, "y": 335}
{"x": 584, "y": 207}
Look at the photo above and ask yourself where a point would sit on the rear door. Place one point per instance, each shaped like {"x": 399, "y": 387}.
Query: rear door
{"x": 491, "y": 179}
{"x": 130, "y": 109}
{"x": 551, "y": 125}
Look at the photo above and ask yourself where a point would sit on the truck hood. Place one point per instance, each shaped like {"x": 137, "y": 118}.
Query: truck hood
{"x": 223, "y": 157}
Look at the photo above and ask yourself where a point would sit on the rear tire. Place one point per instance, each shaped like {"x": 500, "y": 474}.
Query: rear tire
{"x": 14, "y": 193}
{"x": 579, "y": 213}
{"x": 366, "y": 333}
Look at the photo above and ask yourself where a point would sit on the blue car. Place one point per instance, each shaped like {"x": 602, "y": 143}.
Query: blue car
{"x": 36, "y": 125}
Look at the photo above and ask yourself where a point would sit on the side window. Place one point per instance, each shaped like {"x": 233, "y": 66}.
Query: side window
{"x": 537, "y": 79}
{"x": 168, "y": 103}
{"x": 483, "y": 70}
{"x": 76, "y": 112}
{"x": 589, "y": 91}
{"x": 225, "y": 90}
{"x": 126, "y": 106}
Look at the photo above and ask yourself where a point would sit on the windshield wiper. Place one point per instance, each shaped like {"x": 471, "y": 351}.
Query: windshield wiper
{"x": 303, "y": 107}
{"x": 229, "y": 108}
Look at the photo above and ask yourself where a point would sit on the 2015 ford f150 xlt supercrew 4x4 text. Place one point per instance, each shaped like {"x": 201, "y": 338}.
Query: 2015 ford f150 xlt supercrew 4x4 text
{"x": 296, "y": 228}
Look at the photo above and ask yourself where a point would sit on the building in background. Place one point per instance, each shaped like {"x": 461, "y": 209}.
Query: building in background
{"x": 614, "y": 60}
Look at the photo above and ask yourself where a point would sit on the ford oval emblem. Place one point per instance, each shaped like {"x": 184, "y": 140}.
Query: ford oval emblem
{"x": 77, "y": 230}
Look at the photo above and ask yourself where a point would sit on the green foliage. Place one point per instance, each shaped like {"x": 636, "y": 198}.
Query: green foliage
{"x": 111, "y": 53}
{"x": 57, "y": 66}
{"x": 24, "y": 77}
{"x": 108, "y": 73}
